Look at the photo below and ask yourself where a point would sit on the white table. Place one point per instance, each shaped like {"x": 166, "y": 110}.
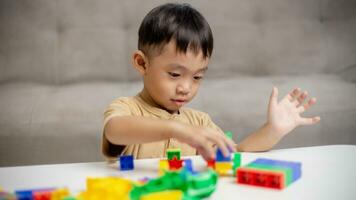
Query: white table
{"x": 328, "y": 172}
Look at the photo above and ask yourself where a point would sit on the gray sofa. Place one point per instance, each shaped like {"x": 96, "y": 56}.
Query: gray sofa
{"x": 63, "y": 61}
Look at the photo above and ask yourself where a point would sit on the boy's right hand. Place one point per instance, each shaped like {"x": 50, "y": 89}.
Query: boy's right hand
{"x": 203, "y": 139}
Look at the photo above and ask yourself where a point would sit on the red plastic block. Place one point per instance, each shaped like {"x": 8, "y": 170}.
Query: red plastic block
{"x": 42, "y": 195}
{"x": 211, "y": 163}
{"x": 175, "y": 164}
{"x": 262, "y": 178}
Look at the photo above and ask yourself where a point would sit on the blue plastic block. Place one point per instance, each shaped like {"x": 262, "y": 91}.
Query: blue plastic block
{"x": 24, "y": 195}
{"x": 28, "y": 194}
{"x": 294, "y": 166}
{"x": 126, "y": 162}
{"x": 189, "y": 166}
{"x": 220, "y": 156}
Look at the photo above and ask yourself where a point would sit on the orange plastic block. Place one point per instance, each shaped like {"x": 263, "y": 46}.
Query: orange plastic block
{"x": 261, "y": 178}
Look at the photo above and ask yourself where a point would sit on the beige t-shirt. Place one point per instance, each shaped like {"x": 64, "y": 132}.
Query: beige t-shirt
{"x": 141, "y": 106}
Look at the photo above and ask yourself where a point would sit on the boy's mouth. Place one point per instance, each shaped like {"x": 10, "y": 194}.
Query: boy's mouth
{"x": 179, "y": 102}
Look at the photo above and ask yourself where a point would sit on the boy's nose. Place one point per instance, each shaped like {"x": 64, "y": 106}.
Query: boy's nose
{"x": 183, "y": 88}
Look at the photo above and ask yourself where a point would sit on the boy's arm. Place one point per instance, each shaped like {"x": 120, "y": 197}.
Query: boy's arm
{"x": 124, "y": 130}
{"x": 283, "y": 117}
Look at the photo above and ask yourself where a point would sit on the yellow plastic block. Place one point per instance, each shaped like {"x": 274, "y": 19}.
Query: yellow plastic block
{"x": 168, "y": 194}
{"x": 163, "y": 166}
{"x": 59, "y": 194}
{"x": 108, "y": 188}
{"x": 223, "y": 168}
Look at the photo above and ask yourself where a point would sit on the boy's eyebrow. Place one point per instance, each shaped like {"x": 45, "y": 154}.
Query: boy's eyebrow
{"x": 176, "y": 65}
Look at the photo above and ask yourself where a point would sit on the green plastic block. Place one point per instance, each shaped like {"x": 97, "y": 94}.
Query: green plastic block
{"x": 228, "y": 134}
{"x": 287, "y": 171}
{"x": 236, "y": 162}
{"x": 194, "y": 187}
{"x": 202, "y": 185}
{"x": 171, "y": 153}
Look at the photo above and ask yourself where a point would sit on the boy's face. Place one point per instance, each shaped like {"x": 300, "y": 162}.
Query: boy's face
{"x": 172, "y": 79}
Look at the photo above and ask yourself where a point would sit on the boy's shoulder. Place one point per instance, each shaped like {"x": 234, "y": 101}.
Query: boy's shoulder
{"x": 125, "y": 100}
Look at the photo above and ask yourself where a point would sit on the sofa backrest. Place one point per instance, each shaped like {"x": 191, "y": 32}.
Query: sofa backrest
{"x": 59, "y": 42}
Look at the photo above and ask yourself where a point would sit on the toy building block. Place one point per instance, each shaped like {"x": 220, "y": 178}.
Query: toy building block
{"x": 106, "y": 188}
{"x": 223, "y": 168}
{"x": 236, "y": 162}
{"x": 211, "y": 163}
{"x": 169, "y": 194}
{"x": 193, "y": 186}
{"x": 269, "y": 173}
{"x": 220, "y": 156}
{"x": 294, "y": 166}
{"x": 287, "y": 171}
{"x": 171, "y": 153}
{"x": 261, "y": 178}
{"x": 59, "y": 194}
{"x": 24, "y": 194}
{"x": 175, "y": 164}
{"x": 42, "y": 195}
{"x": 201, "y": 185}
{"x": 29, "y": 194}
{"x": 188, "y": 165}
{"x": 163, "y": 166}
{"x": 126, "y": 162}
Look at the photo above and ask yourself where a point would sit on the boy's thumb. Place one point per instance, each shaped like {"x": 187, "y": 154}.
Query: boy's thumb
{"x": 274, "y": 97}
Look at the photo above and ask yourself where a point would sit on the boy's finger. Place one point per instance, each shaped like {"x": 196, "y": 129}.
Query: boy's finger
{"x": 230, "y": 143}
{"x": 311, "y": 102}
{"x": 310, "y": 121}
{"x": 222, "y": 146}
{"x": 293, "y": 94}
{"x": 206, "y": 152}
{"x": 273, "y": 100}
{"x": 302, "y": 98}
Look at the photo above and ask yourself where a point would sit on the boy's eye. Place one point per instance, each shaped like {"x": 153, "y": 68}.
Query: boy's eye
{"x": 198, "y": 77}
{"x": 173, "y": 74}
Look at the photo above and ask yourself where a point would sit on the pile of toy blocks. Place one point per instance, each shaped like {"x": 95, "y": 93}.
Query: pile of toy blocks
{"x": 177, "y": 185}
{"x": 43, "y": 194}
{"x": 177, "y": 180}
{"x": 172, "y": 185}
{"x": 224, "y": 165}
{"x": 269, "y": 173}
{"x": 174, "y": 162}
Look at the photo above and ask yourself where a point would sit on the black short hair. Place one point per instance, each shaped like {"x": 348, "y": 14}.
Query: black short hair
{"x": 180, "y": 22}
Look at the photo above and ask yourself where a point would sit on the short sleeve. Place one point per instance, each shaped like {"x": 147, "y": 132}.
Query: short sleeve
{"x": 119, "y": 107}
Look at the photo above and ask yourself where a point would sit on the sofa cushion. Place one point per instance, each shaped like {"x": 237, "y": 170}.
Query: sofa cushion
{"x": 56, "y": 124}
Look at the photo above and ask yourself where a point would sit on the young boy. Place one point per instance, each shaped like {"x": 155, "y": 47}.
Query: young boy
{"x": 174, "y": 47}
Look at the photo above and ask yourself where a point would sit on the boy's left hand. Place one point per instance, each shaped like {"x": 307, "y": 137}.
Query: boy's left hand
{"x": 284, "y": 116}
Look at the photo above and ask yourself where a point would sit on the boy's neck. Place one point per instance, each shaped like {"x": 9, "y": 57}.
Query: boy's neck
{"x": 145, "y": 96}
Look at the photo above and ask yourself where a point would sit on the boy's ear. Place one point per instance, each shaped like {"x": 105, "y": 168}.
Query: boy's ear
{"x": 140, "y": 61}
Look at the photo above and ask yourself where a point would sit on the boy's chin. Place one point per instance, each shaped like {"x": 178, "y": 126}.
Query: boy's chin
{"x": 173, "y": 109}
